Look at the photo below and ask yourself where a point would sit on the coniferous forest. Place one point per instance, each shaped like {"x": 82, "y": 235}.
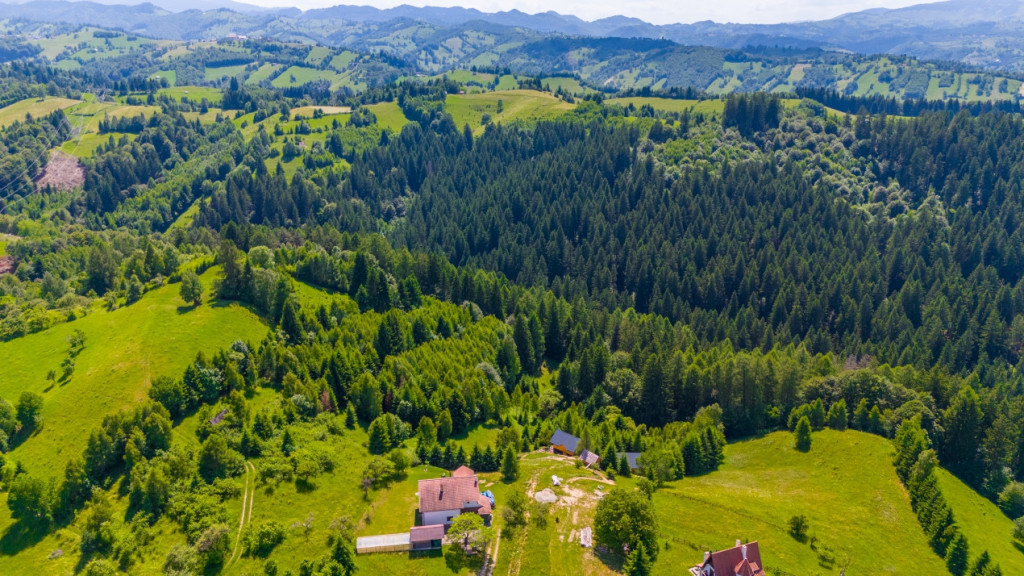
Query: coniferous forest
{"x": 246, "y": 292}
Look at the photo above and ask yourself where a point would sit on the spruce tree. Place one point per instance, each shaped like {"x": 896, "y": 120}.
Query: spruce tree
{"x": 509, "y": 466}
{"x": 803, "y": 434}
{"x": 638, "y": 563}
{"x": 956, "y": 557}
{"x": 380, "y": 439}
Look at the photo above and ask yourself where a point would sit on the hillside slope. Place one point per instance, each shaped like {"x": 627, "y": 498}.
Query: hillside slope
{"x": 124, "y": 350}
{"x": 845, "y": 486}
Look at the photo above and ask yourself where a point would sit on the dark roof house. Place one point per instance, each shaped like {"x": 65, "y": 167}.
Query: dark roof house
{"x": 740, "y": 560}
{"x": 564, "y": 442}
{"x": 589, "y": 458}
{"x": 632, "y": 457}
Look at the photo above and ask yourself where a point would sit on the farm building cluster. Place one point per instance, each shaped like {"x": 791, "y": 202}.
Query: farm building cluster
{"x": 564, "y": 443}
{"x": 441, "y": 500}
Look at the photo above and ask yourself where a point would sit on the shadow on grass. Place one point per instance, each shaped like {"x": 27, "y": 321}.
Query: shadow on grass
{"x": 610, "y": 560}
{"x": 455, "y": 558}
{"x": 20, "y": 536}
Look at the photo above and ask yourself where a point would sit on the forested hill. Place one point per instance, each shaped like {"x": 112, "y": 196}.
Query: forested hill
{"x": 57, "y": 31}
{"x": 254, "y": 269}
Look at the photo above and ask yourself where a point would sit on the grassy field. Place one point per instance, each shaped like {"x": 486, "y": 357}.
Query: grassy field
{"x": 846, "y": 486}
{"x": 264, "y": 72}
{"x": 984, "y": 524}
{"x": 517, "y": 105}
{"x": 94, "y": 47}
{"x": 706, "y": 107}
{"x": 86, "y": 146}
{"x": 215, "y": 74}
{"x": 124, "y": 350}
{"x": 317, "y": 54}
{"x": 568, "y": 85}
{"x": 193, "y": 93}
{"x": 389, "y": 115}
{"x": 170, "y": 75}
{"x": 341, "y": 61}
{"x": 299, "y": 75}
{"x": 34, "y": 106}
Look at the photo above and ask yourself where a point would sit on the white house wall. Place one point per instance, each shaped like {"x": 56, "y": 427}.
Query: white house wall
{"x": 439, "y": 517}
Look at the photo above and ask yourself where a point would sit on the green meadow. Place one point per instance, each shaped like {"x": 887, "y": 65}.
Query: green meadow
{"x": 846, "y": 486}
{"x": 983, "y": 523}
{"x": 35, "y": 107}
{"x": 516, "y": 106}
{"x": 124, "y": 351}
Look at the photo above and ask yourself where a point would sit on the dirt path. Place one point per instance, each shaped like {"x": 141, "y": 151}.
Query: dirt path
{"x": 488, "y": 568}
{"x": 248, "y": 495}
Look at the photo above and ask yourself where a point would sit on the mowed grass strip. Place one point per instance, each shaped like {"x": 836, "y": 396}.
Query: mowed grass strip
{"x": 124, "y": 351}
{"x": 846, "y": 486}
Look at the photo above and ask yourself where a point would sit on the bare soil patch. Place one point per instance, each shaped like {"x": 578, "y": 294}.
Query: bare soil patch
{"x": 6, "y": 264}
{"x": 63, "y": 172}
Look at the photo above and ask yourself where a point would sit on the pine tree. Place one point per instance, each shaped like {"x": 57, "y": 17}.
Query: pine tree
{"x": 956, "y": 557}
{"x": 350, "y": 417}
{"x": 875, "y": 425}
{"x": 860, "y": 415}
{"x": 509, "y": 465}
{"x": 981, "y": 565}
{"x": 380, "y": 439}
{"x": 638, "y": 563}
{"x": 803, "y": 434}
{"x": 287, "y": 443}
{"x": 837, "y": 416}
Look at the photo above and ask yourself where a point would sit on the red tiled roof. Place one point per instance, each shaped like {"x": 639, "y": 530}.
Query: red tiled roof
{"x": 485, "y": 505}
{"x": 463, "y": 471}
{"x": 426, "y": 533}
{"x": 451, "y": 493}
{"x": 731, "y": 561}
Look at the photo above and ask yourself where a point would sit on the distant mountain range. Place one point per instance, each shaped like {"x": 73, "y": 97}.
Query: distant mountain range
{"x": 985, "y": 33}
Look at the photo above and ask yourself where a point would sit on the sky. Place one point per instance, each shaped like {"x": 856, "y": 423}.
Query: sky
{"x": 656, "y": 11}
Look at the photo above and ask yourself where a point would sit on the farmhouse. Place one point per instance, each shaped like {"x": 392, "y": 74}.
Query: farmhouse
{"x": 633, "y": 458}
{"x": 442, "y": 499}
{"x": 564, "y": 442}
{"x": 740, "y": 560}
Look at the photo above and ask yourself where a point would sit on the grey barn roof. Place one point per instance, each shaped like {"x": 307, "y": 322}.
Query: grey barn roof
{"x": 632, "y": 457}
{"x": 560, "y": 438}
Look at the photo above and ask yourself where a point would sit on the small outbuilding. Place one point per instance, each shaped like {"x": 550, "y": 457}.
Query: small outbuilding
{"x": 383, "y": 543}
{"x": 589, "y": 458}
{"x": 426, "y": 537}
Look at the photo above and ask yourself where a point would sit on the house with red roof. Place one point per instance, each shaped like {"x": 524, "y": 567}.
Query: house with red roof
{"x": 740, "y": 560}
{"x": 442, "y": 499}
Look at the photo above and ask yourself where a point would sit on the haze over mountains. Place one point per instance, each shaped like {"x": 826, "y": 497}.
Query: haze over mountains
{"x": 978, "y": 32}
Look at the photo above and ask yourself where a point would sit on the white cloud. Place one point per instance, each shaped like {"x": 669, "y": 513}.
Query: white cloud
{"x": 657, "y": 11}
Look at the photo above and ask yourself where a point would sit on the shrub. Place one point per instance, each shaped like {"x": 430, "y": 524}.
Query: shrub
{"x": 261, "y": 539}
{"x": 798, "y": 527}
{"x": 1011, "y": 499}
